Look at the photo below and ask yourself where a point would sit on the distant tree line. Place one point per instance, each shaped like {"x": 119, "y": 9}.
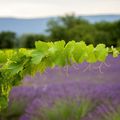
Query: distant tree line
{"x": 67, "y": 28}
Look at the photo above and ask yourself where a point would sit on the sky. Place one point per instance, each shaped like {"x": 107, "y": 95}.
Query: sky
{"x": 45, "y": 8}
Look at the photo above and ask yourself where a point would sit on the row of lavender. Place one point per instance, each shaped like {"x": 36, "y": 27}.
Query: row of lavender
{"x": 77, "y": 92}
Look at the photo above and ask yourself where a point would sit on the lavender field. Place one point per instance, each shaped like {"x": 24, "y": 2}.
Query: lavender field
{"x": 77, "y": 92}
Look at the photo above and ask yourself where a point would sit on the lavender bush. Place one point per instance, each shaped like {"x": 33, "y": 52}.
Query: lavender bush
{"x": 77, "y": 92}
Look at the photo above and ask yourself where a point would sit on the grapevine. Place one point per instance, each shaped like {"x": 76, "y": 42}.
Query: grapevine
{"x": 15, "y": 64}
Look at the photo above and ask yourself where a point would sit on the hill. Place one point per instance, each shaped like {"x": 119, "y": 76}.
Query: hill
{"x": 39, "y": 25}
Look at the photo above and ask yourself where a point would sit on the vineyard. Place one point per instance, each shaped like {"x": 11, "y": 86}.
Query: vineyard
{"x": 59, "y": 81}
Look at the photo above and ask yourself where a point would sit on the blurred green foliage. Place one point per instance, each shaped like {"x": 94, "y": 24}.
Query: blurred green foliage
{"x": 28, "y": 40}
{"x": 68, "y": 28}
{"x": 75, "y": 28}
{"x": 7, "y": 39}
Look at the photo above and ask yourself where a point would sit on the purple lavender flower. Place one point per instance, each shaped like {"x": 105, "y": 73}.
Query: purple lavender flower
{"x": 77, "y": 90}
{"x": 99, "y": 83}
{"x": 97, "y": 72}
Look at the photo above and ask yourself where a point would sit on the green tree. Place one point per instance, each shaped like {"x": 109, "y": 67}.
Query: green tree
{"x": 102, "y": 37}
{"x": 108, "y": 32}
{"x": 66, "y": 28}
{"x": 28, "y": 40}
{"x": 7, "y": 40}
{"x": 84, "y": 32}
{"x": 70, "y": 27}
